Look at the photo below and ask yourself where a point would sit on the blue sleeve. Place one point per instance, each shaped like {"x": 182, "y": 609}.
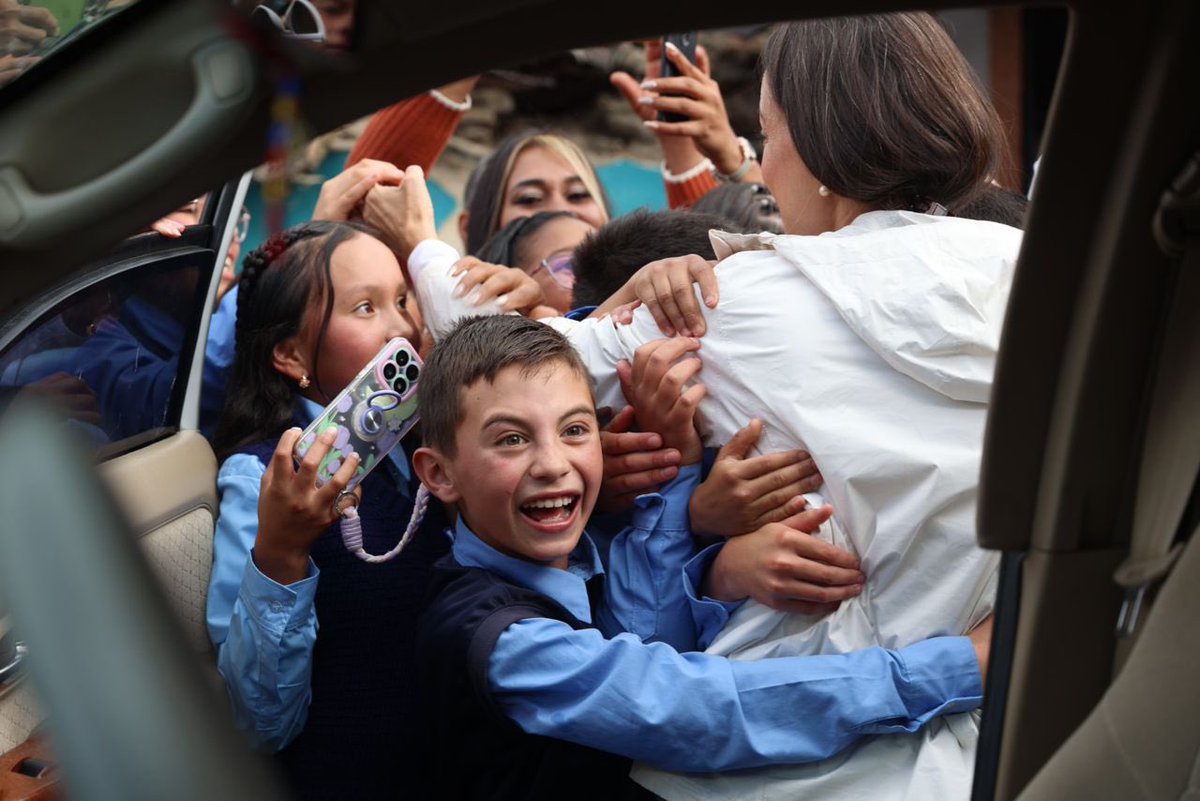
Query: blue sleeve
{"x": 696, "y": 712}
{"x": 644, "y": 589}
{"x": 132, "y": 383}
{"x": 264, "y": 631}
{"x": 709, "y": 615}
{"x": 218, "y": 358}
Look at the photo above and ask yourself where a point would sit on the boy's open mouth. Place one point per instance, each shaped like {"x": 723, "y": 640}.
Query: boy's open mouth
{"x": 548, "y": 511}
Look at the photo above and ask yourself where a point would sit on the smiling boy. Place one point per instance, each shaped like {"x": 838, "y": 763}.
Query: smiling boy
{"x": 542, "y": 675}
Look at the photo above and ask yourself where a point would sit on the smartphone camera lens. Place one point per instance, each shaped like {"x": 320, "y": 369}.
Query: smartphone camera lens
{"x": 400, "y": 385}
{"x": 401, "y": 357}
{"x": 389, "y": 371}
{"x": 412, "y": 372}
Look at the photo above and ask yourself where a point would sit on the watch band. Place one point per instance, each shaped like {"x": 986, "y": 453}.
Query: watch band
{"x": 748, "y": 158}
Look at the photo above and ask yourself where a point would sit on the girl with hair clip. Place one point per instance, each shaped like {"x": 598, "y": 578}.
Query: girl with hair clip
{"x": 316, "y": 303}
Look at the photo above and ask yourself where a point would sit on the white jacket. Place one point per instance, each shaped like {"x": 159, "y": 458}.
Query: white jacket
{"x": 873, "y": 348}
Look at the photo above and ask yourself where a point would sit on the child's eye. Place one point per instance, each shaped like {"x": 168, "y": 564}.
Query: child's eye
{"x": 364, "y": 308}
{"x": 402, "y": 302}
{"x": 579, "y": 196}
{"x": 510, "y": 440}
{"x": 576, "y": 430}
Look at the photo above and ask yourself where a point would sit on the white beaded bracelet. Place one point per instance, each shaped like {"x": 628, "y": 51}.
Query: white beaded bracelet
{"x": 686, "y": 175}
{"x": 453, "y": 105}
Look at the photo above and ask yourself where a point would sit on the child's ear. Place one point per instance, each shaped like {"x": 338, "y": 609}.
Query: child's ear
{"x": 289, "y": 359}
{"x": 435, "y": 472}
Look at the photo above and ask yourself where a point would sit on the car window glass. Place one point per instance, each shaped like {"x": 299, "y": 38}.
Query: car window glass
{"x": 33, "y": 30}
{"x": 109, "y": 352}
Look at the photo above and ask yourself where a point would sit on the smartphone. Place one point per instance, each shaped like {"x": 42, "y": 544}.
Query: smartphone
{"x": 371, "y": 415}
{"x": 686, "y": 42}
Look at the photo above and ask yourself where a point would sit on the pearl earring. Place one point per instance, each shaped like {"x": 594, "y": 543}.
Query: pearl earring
{"x": 304, "y": 382}
{"x": 824, "y": 191}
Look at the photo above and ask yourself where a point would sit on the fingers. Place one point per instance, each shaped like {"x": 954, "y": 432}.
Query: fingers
{"x": 685, "y": 67}
{"x": 630, "y": 89}
{"x": 685, "y": 301}
{"x": 641, "y": 481}
{"x": 622, "y": 421}
{"x": 621, "y": 443}
{"x": 625, "y": 377}
{"x": 702, "y": 60}
{"x": 740, "y": 443}
{"x": 703, "y": 272}
{"x": 168, "y": 227}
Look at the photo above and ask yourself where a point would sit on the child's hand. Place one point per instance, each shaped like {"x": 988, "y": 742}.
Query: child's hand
{"x": 515, "y": 289}
{"x": 743, "y": 494}
{"x": 342, "y": 195}
{"x": 655, "y": 387}
{"x": 292, "y": 510}
{"x": 634, "y": 463}
{"x": 403, "y": 213}
{"x": 784, "y": 567}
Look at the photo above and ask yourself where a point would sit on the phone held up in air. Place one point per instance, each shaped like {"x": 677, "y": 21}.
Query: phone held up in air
{"x": 371, "y": 415}
{"x": 686, "y": 42}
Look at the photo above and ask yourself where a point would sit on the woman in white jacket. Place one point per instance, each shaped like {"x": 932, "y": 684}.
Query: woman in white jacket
{"x": 867, "y": 334}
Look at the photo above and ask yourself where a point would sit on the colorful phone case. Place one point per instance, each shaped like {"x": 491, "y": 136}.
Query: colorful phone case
{"x": 371, "y": 414}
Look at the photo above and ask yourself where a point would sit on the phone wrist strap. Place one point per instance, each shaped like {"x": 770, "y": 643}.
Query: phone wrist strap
{"x": 351, "y": 527}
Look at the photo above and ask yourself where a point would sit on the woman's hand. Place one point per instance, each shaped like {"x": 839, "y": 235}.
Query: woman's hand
{"x": 680, "y": 153}
{"x": 693, "y": 94}
{"x": 744, "y": 493}
{"x": 635, "y": 462}
{"x": 783, "y": 566}
{"x": 655, "y": 385}
{"x": 292, "y": 510}
{"x": 342, "y": 195}
{"x": 404, "y": 213}
{"x": 515, "y": 289}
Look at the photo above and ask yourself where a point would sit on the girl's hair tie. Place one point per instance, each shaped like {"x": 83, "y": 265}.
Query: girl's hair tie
{"x": 273, "y": 248}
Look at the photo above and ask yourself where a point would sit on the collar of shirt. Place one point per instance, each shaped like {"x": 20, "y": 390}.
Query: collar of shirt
{"x": 567, "y": 587}
{"x": 306, "y": 411}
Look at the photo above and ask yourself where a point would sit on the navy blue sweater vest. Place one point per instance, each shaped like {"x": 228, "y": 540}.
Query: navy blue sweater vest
{"x": 360, "y": 740}
{"x": 475, "y": 752}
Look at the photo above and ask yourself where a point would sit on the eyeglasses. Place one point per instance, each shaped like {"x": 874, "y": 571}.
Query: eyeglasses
{"x": 561, "y": 269}
{"x": 243, "y": 225}
{"x": 297, "y": 19}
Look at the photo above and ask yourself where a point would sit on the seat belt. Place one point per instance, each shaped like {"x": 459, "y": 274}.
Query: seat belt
{"x": 1167, "y": 482}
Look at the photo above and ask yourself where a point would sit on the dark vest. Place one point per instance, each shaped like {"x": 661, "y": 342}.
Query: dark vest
{"x": 475, "y": 752}
{"x": 361, "y": 740}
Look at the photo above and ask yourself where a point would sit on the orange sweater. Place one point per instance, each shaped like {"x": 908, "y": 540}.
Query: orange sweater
{"x": 683, "y": 195}
{"x": 413, "y": 131}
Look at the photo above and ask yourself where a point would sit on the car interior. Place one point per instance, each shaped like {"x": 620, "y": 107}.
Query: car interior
{"x": 1092, "y": 451}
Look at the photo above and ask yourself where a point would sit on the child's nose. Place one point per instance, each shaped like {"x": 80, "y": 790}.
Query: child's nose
{"x": 550, "y": 462}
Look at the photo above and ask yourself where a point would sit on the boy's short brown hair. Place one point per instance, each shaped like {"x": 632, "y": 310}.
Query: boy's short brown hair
{"x": 480, "y": 347}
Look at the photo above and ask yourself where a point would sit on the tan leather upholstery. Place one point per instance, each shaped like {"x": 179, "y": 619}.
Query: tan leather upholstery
{"x": 168, "y": 492}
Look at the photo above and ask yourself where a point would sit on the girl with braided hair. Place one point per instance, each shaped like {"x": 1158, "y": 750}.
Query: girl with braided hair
{"x": 316, "y": 303}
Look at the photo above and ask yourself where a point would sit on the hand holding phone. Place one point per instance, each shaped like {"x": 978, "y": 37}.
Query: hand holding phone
{"x": 371, "y": 415}
{"x": 686, "y": 42}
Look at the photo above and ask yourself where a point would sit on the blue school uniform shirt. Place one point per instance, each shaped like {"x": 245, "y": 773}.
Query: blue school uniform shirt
{"x": 632, "y": 687}
{"x": 264, "y": 630}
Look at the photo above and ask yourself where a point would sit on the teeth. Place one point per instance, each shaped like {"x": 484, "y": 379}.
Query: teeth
{"x": 550, "y": 503}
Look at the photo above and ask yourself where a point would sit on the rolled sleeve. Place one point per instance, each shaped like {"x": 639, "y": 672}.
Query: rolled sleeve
{"x": 709, "y": 615}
